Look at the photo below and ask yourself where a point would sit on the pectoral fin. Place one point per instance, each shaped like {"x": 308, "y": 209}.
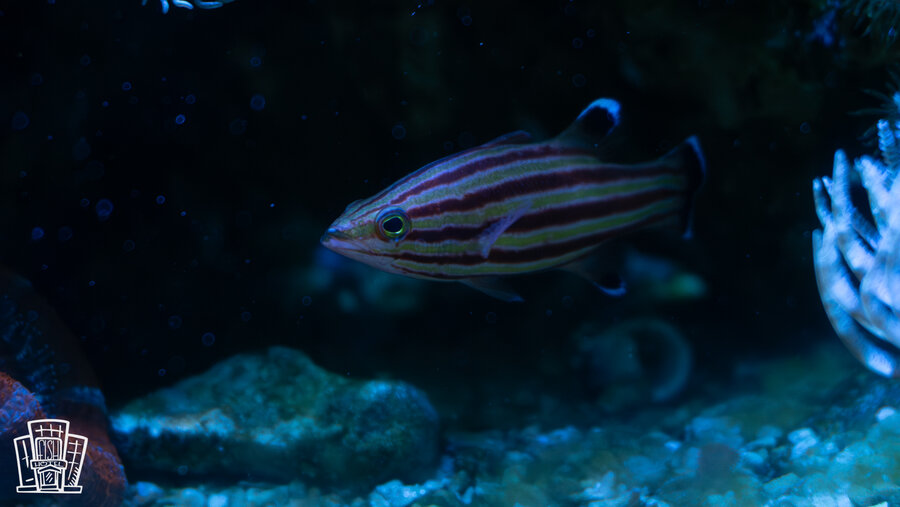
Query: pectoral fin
{"x": 610, "y": 284}
{"x": 495, "y": 287}
{"x": 493, "y": 232}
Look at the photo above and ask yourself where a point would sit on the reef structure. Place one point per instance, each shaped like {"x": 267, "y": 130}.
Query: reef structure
{"x": 185, "y": 4}
{"x": 857, "y": 252}
{"x": 43, "y": 373}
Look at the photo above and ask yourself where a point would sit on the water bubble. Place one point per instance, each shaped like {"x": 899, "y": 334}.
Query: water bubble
{"x": 577, "y": 43}
{"x": 190, "y": 99}
{"x": 175, "y": 321}
{"x": 126, "y": 86}
{"x": 237, "y": 127}
{"x": 64, "y": 233}
{"x": 179, "y": 120}
{"x": 306, "y": 301}
{"x": 466, "y": 20}
{"x": 20, "y": 121}
{"x": 85, "y": 60}
{"x": 578, "y": 80}
{"x": 37, "y": 233}
{"x": 104, "y": 208}
{"x": 398, "y": 131}
{"x": 81, "y": 149}
{"x": 208, "y": 339}
{"x": 805, "y": 128}
{"x": 160, "y": 199}
{"x": 128, "y": 245}
{"x": 105, "y": 103}
{"x": 85, "y": 202}
{"x": 255, "y": 61}
{"x": 591, "y": 33}
{"x": 161, "y": 372}
{"x": 91, "y": 283}
{"x": 246, "y": 316}
{"x": 257, "y": 102}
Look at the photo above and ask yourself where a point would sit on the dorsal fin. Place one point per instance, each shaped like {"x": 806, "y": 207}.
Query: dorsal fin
{"x": 517, "y": 137}
{"x": 594, "y": 123}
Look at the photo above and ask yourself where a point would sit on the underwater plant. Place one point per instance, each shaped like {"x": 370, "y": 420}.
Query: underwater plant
{"x": 185, "y": 4}
{"x": 857, "y": 257}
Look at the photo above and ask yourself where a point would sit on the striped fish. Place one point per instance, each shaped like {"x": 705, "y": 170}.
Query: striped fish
{"x": 514, "y": 206}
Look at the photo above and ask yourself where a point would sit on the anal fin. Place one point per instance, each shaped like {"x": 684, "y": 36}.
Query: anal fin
{"x": 610, "y": 284}
{"x": 495, "y": 287}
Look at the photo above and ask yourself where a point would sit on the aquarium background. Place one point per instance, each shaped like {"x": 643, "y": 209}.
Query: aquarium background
{"x": 165, "y": 180}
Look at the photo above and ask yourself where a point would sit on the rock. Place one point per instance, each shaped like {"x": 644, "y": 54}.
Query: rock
{"x": 277, "y": 416}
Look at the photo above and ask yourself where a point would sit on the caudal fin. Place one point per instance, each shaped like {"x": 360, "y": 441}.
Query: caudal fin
{"x": 688, "y": 157}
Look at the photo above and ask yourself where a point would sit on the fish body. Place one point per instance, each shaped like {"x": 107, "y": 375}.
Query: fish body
{"x": 514, "y": 206}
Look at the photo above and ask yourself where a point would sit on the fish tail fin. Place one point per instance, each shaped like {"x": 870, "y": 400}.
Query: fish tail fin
{"x": 688, "y": 158}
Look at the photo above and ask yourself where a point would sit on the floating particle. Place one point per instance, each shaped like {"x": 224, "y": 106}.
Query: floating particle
{"x": 104, "y": 209}
{"x": 85, "y": 60}
{"x": 190, "y": 99}
{"x": 160, "y": 199}
{"x": 237, "y": 127}
{"x": 179, "y": 120}
{"x": 448, "y": 145}
{"x": 183, "y": 213}
{"x": 255, "y": 61}
{"x": 175, "y": 321}
{"x": 85, "y": 202}
{"x": 126, "y": 86}
{"x": 37, "y": 233}
{"x": 133, "y": 100}
{"x": 37, "y": 79}
{"x": 208, "y": 339}
{"x": 490, "y": 317}
{"x": 257, "y": 102}
{"x": 805, "y": 128}
{"x": 105, "y": 103}
{"x": 578, "y": 80}
{"x": 64, "y": 233}
{"x": 128, "y": 245}
{"x": 20, "y": 121}
{"x": 246, "y": 316}
{"x": 81, "y": 149}
{"x": 591, "y": 33}
{"x": 161, "y": 372}
{"x": 306, "y": 301}
{"x": 91, "y": 283}
{"x": 303, "y": 117}
{"x": 398, "y": 131}
{"x": 577, "y": 43}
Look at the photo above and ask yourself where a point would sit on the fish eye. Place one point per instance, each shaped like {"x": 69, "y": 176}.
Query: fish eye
{"x": 392, "y": 224}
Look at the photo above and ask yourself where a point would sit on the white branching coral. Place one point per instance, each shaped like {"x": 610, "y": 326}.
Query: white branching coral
{"x": 185, "y": 4}
{"x": 857, "y": 254}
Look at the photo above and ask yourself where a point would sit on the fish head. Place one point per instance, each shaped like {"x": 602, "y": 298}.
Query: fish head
{"x": 370, "y": 233}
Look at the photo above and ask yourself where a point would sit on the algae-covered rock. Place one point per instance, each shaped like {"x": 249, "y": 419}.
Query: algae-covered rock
{"x": 277, "y": 416}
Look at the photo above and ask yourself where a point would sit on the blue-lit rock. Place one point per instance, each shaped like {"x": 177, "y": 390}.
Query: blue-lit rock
{"x": 283, "y": 418}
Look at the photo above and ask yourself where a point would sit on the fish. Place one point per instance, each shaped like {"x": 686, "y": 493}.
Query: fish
{"x": 515, "y": 205}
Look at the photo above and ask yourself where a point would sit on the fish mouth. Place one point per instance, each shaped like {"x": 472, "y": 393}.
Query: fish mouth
{"x": 339, "y": 241}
